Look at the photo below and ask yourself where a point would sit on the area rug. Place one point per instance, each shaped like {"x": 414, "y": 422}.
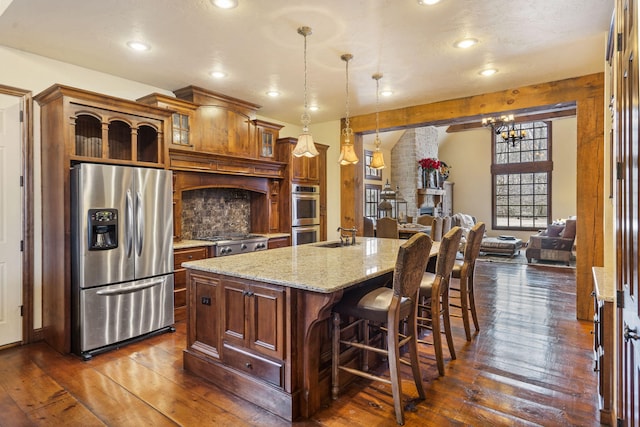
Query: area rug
{"x": 521, "y": 259}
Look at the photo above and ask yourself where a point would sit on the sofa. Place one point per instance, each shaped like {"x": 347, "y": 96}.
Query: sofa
{"x": 553, "y": 244}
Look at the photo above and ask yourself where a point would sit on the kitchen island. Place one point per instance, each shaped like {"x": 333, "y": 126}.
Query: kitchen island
{"x": 258, "y": 323}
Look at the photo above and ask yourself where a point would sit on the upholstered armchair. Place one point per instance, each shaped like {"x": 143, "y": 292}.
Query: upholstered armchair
{"x": 553, "y": 244}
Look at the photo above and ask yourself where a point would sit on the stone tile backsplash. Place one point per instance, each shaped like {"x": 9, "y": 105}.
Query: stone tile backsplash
{"x": 215, "y": 211}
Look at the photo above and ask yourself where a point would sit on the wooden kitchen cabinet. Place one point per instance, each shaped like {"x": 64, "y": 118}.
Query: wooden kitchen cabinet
{"x": 252, "y": 317}
{"x": 236, "y": 331}
{"x": 180, "y": 277}
{"x": 305, "y": 170}
{"x": 302, "y": 170}
{"x": 279, "y": 242}
{"x": 603, "y": 331}
{"x": 97, "y": 128}
{"x": 182, "y": 118}
{"x": 203, "y": 334}
{"x": 222, "y": 124}
{"x": 266, "y": 137}
{"x": 81, "y": 126}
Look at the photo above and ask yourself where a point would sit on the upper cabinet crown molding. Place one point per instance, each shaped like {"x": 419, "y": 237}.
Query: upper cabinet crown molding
{"x": 202, "y": 96}
{"x": 99, "y": 100}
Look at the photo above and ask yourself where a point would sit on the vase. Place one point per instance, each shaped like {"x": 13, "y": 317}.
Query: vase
{"x": 430, "y": 178}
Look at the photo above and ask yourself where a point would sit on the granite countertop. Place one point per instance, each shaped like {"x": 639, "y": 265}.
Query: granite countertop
{"x": 604, "y": 284}
{"x": 311, "y": 267}
{"x": 183, "y": 244}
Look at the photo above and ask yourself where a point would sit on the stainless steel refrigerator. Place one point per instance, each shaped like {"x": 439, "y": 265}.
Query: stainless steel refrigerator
{"x": 122, "y": 255}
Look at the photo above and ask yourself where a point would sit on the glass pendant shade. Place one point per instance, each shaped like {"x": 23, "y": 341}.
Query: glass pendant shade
{"x": 347, "y": 155}
{"x": 377, "y": 162}
{"x": 305, "y": 146}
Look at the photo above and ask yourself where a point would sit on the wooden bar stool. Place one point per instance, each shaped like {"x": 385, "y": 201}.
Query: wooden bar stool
{"x": 433, "y": 309}
{"x": 463, "y": 270}
{"x": 436, "y": 229}
{"x": 387, "y": 228}
{"x": 384, "y": 308}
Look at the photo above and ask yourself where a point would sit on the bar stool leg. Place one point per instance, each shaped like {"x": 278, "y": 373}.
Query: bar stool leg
{"x": 464, "y": 305}
{"x": 335, "y": 387}
{"x": 472, "y": 302}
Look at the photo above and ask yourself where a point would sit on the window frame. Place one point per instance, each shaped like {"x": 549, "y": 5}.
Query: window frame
{"x": 377, "y": 188}
{"x": 545, "y": 166}
{"x": 369, "y": 172}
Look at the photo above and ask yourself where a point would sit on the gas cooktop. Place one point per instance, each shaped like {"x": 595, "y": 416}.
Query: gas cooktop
{"x": 232, "y": 237}
{"x": 232, "y": 243}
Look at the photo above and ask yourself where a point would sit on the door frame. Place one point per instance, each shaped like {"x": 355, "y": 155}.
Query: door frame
{"x": 27, "y": 164}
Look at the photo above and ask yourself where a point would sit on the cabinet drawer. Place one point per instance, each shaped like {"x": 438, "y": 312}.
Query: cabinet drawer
{"x": 253, "y": 365}
{"x": 184, "y": 255}
{"x": 279, "y": 242}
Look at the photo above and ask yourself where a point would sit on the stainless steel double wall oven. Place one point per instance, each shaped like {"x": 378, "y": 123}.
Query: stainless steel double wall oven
{"x": 305, "y": 214}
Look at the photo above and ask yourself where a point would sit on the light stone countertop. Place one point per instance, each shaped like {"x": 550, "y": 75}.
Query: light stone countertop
{"x": 604, "y": 284}
{"x": 311, "y": 267}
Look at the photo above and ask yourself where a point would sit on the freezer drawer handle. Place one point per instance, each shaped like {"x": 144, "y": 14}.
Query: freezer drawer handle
{"x": 130, "y": 289}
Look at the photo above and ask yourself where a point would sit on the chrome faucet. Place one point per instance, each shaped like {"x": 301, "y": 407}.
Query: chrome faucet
{"x": 344, "y": 240}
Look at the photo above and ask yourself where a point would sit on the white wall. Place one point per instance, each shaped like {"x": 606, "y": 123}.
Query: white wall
{"x": 469, "y": 155}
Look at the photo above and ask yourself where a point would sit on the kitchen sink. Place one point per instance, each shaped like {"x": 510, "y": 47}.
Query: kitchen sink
{"x": 333, "y": 245}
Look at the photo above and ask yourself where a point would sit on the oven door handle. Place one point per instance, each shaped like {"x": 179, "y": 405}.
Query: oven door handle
{"x": 130, "y": 289}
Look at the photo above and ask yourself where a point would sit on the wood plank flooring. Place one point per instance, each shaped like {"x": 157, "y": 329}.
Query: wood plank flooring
{"x": 530, "y": 364}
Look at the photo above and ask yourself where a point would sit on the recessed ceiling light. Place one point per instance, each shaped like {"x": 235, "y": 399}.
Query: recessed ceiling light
{"x": 488, "y": 72}
{"x": 428, "y": 2}
{"x": 273, "y": 93}
{"x": 466, "y": 43}
{"x": 139, "y": 46}
{"x": 386, "y": 93}
{"x": 225, "y": 4}
{"x": 313, "y": 108}
{"x": 218, "y": 74}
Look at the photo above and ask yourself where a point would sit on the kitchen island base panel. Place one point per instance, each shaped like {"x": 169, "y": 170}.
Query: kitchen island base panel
{"x": 272, "y": 399}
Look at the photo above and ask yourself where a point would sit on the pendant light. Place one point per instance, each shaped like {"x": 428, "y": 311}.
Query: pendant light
{"x": 377, "y": 162}
{"x": 305, "y": 146}
{"x": 347, "y": 153}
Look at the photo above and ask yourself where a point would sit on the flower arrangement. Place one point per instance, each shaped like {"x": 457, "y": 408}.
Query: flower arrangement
{"x": 444, "y": 170}
{"x": 429, "y": 164}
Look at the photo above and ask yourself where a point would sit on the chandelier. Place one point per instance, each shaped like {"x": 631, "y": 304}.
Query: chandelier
{"x": 305, "y": 146}
{"x": 506, "y": 127}
{"x": 377, "y": 162}
{"x": 347, "y": 153}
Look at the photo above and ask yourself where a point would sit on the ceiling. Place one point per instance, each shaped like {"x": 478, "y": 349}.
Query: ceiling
{"x": 258, "y": 46}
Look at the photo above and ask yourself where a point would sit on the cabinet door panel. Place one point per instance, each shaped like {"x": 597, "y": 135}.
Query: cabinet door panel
{"x": 266, "y": 332}
{"x": 204, "y": 306}
{"x": 234, "y": 312}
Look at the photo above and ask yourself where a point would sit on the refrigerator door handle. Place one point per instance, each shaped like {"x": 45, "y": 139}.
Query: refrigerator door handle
{"x": 140, "y": 222}
{"x": 130, "y": 289}
{"x": 129, "y": 224}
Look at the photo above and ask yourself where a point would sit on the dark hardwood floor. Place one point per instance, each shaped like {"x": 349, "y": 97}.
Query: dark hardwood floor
{"x": 531, "y": 364}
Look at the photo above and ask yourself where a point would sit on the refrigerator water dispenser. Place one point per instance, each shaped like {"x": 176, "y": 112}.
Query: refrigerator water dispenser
{"x": 103, "y": 229}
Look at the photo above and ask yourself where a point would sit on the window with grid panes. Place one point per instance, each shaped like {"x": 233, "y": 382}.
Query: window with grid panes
{"x": 369, "y": 172}
{"x": 521, "y": 175}
{"x": 371, "y": 200}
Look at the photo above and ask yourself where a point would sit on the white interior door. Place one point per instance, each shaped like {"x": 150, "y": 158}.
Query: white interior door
{"x": 10, "y": 220}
